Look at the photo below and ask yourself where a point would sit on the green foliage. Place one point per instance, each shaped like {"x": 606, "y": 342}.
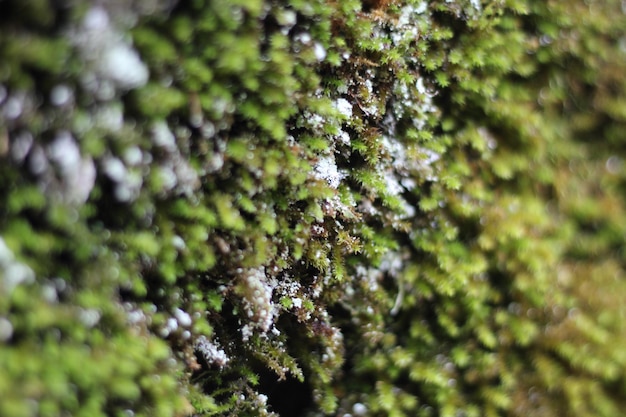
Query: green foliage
{"x": 312, "y": 208}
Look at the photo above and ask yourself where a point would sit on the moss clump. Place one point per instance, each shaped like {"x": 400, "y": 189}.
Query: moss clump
{"x": 312, "y": 208}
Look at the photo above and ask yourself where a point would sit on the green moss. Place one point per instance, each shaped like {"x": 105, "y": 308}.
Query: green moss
{"x": 312, "y": 208}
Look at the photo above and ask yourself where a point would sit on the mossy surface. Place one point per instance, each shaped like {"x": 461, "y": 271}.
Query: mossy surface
{"x": 290, "y": 208}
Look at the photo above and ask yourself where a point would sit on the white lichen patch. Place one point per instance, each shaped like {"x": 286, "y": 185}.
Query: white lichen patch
{"x": 390, "y": 265}
{"x": 6, "y": 329}
{"x": 61, "y": 95}
{"x": 320, "y": 51}
{"x": 130, "y": 172}
{"x": 89, "y": 317}
{"x": 78, "y": 173}
{"x": 344, "y": 107}
{"x": 407, "y": 27}
{"x": 109, "y": 117}
{"x": 359, "y": 409}
{"x": 294, "y": 297}
{"x": 134, "y": 315}
{"x": 335, "y": 345}
{"x": 162, "y": 136}
{"x": 313, "y": 121}
{"x": 171, "y": 325}
{"x": 326, "y": 169}
{"x": 123, "y": 66}
{"x": 21, "y": 146}
{"x": 127, "y": 182}
{"x": 393, "y": 184}
{"x": 211, "y": 352}
{"x": 107, "y": 53}
{"x": 408, "y": 161}
{"x": 256, "y": 292}
{"x": 343, "y": 137}
{"x": 183, "y": 318}
{"x": 12, "y": 272}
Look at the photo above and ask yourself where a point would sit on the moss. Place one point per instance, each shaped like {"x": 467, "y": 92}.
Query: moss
{"x": 312, "y": 208}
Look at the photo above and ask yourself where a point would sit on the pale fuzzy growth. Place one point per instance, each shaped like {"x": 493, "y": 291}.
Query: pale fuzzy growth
{"x": 12, "y": 273}
{"x": 162, "y": 136}
{"x": 61, "y": 95}
{"x": 314, "y": 121}
{"x": 326, "y": 169}
{"x": 171, "y": 325}
{"x": 418, "y": 160}
{"x": 21, "y": 146}
{"x": 173, "y": 169}
{"x": 127, "y": 182}
{"x": 343, "y": 137}
{"x": 476, "y": 5}
{"x": 109, "y": 116}
{"x": 257, "y": 301}
{"x": 391, "y": 264}
{"x": 359, "y": 409}
{"x": 393, "y": 184}
{"x": 344, "y": 107}
{"x": 124, "y": 66}
{"x": 183, "y": 318}
{"x": 320, "y": 51}
{"x": 6, "y": 329}
{"x": 108, "y": 53}
{"x": 89, "y": 316}
{"x": 335, "y": 344}
{"x": 211, "y": 353}
{"x": 78, "y": 173}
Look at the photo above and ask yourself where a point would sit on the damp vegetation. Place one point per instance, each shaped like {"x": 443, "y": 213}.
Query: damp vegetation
{"x": 312, "y": 208}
